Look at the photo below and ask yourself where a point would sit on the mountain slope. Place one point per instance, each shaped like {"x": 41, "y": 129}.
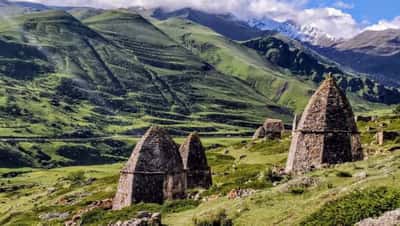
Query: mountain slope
{"x": 227, "y": 25}
{"x": 373, "y": 52}
{"x": 303, "y": 62}
{"x": 289, "y": 79}
{"x": 119, "y": 75}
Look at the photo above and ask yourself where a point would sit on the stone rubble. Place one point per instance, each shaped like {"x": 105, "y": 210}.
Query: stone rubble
{"x": 142, "y": 219}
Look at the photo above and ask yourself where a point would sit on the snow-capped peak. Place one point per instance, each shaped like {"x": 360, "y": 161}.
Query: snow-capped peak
{"x": 304, "y": 33}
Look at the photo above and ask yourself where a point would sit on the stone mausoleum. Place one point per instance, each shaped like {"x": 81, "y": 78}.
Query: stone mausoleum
{"x": 153, "y": 173}
{"x": 326, "y": 133}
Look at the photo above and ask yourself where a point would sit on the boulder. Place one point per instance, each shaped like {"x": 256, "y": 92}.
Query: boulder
{"x": 391, "y": 218}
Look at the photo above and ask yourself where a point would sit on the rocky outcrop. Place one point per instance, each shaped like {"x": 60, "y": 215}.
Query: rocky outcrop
{"x": 142, "y": 219}
{"x": 391, "y": 218}
{"x": 153, "y": 173}
{"x": 326, "y": 133}
{"x": 198, "y": 173}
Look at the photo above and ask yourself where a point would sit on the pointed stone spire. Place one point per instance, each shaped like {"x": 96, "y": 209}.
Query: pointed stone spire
{"x": 153, "y": 173}
{"x": 195, "y": 162}
{"x": 326, "y": 133}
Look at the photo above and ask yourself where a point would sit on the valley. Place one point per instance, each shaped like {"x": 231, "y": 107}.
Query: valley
{"x": 80, "y": 86}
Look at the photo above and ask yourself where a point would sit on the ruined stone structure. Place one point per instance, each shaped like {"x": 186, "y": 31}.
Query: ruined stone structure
{"x": 326, "y": 133}
{"x": 193, "y": 154}
{"x": 259, "y": 134}
{"x": 271, "y": 129}
{"x": 153, "y": 173}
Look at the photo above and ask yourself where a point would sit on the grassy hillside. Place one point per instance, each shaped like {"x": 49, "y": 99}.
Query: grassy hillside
{"x": 275, "y": 66}
{"x": 341, "y": 194}
{"x": 115, "y": 74}
{"x": 235, "y": 59}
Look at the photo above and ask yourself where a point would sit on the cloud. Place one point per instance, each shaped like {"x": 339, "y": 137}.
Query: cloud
{"x": 330, "y": 20}
{"x": 343, "y": 5}
{"x": 385, "y": 24}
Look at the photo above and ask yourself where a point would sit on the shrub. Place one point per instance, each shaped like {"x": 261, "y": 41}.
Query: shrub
{"x": 343, "y": 174}
{"x": 218, "y": 218}
{"x": 297, "y": 190}
{"x": 76, "y": 176}
{"x": 354, "y": 207}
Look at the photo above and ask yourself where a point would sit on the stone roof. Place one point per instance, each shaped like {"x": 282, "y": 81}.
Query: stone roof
{"x": 155, "y": 152}
{"x": 193, "y": 153}
{"x": 328, "y": 110}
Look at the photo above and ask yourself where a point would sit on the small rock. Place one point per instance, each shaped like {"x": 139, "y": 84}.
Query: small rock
{"x": 361, "y": 175}
{"x": 143, "y": 214}
{"x": 391, "y": 218}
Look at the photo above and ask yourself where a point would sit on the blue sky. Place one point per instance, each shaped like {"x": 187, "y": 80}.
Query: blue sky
{"x": 364, "y": 10}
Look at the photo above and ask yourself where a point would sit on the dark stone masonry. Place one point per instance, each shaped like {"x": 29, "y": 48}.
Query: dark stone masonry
{"x": 153, "y": 173}
{"x": 195, "y": 162}
{"x": 326, "y": 133}
{"x": 271, "y": 129}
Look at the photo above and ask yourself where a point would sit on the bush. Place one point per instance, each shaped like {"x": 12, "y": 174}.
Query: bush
{"x": 76, "y": 177}
{"x": 218, "y": 218}
{"x": 344, "y": 174}
{"x": 297, "y": 190}
{"x": 355, "y": 207}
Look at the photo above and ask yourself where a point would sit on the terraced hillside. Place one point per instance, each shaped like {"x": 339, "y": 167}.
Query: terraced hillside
{"x": 277, "y": 67}
{"x": 117, "y": 74}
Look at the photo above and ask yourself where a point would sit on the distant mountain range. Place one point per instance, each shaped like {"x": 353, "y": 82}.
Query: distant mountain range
{"x": 292, "y": 30}
{"x": 374, "y": 53}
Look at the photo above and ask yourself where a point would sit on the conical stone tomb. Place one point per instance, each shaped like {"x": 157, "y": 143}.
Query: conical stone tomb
{"x": 153, "y": 173}
{"x": 326, "y": 133}
{"x": 195, "y": 162}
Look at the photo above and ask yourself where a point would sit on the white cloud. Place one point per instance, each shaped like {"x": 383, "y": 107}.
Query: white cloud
{"x": 343, "y": 5}
{"x": 330, "y": 20}
{"x": 385, "y": 24}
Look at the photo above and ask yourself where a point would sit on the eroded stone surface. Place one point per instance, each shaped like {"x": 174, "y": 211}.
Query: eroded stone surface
{"x": 326, "y": 133}
{"x": 195, "y": 162}
{"x": 391, "y": 218}
{"x": 259, "y": 134}
{"x": 273, "y": 128}
{"x": 153, "y": 173}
